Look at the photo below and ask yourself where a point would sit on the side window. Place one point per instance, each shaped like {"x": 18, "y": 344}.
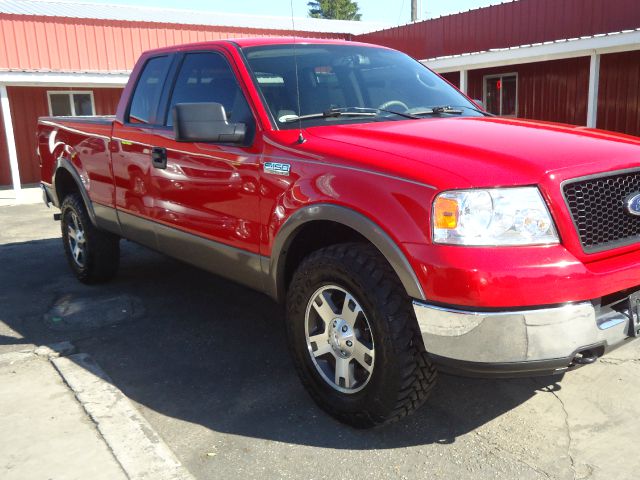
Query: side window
{"x": 207, "y": 77}
{"x": 148, "y": 90}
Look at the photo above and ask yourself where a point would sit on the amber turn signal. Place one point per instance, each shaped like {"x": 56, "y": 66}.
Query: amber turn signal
{"x": 445, "y": 213}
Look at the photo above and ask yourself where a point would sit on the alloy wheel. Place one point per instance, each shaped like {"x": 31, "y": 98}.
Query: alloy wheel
{"x": 77, "y": 240}
{"x": 339, "y": 339}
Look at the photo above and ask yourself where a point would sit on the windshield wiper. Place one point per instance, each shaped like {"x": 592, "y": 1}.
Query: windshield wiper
{"x": 448, "y": 109}
{"x": 345, "y": 112}
{"x": 332, "y": 112}
{"x": 439, "y": 110}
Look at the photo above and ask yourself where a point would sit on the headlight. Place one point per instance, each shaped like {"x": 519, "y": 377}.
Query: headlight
{"x": 497, "y": 216}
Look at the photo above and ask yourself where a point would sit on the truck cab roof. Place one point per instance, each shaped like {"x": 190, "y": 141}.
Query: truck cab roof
{"x": 257, "y": 41}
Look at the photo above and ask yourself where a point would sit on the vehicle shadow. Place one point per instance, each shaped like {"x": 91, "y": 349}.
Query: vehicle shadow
{"x": 204, "y": 350}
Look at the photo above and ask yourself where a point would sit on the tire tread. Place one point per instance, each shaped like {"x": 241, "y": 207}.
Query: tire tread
{"x": 104, "y": 257}
{"x": 417, "y": 373}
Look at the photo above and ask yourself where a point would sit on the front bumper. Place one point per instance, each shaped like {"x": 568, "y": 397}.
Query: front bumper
{"x": 533, "y": 341}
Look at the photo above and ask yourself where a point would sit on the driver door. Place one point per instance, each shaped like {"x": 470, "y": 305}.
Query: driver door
{"x": 207, "y": 190}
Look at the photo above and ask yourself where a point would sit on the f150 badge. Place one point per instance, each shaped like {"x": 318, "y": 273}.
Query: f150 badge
{"x": 277, "y": 168}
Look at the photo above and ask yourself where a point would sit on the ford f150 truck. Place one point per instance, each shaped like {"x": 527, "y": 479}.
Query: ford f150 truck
{"x": 405, "y": 229}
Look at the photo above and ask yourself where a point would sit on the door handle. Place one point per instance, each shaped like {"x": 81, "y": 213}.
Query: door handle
{"x": 159, "y": 157}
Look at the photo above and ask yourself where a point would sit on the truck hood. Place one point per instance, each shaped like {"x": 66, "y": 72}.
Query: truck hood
{"x": 475, "y": 152}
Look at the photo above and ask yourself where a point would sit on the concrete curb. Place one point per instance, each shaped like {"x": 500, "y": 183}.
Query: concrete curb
{"x": 136, "y": 446}
{"x": 32, "y": 351}
{"x": 11, "y": 358}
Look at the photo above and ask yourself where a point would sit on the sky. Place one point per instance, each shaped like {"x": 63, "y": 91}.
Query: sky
{"x": 384, "y": 11}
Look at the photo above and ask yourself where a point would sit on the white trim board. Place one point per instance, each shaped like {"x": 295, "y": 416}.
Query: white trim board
{"x": 11, "y": 142}
{"x": 63, "y": 79}
{"x": 580, "y": 47}
{"x": 594, "y": 85}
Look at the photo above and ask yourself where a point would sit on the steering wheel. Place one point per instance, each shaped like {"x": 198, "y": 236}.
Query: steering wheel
{"x": 390, "y": 103}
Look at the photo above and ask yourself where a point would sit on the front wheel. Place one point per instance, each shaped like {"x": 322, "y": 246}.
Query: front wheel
{"x": 354, "y": 338}
{"x": 92, "y": 254}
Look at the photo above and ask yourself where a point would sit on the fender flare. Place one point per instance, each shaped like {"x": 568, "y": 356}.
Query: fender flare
{"x": 349, "y": 218}
{"x": 64, "y": 164}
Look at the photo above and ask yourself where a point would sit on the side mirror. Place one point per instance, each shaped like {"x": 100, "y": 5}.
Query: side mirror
{"x": 480, "y": 103}
{"x": 205, "y": 122}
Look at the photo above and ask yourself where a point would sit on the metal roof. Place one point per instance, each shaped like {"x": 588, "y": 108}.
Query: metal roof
{"x": 70, "y": 9}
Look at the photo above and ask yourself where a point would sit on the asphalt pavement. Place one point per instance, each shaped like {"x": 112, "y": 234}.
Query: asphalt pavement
{"x": 205, "y": 362}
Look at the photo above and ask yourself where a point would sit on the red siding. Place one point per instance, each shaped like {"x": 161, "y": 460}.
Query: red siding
{"x": 5, "y": 169}
{"x": 555, "y": 91}
{"x": 452, "y": 77}
{"x": 30, "y": 42}
{"x": 619, "y": 93}
{"x": 510, "y": 24}
{"x": 29, "y": 103}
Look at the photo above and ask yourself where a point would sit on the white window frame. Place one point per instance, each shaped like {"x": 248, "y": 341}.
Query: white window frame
{"x": 500, "y": 76}
{"x": 70, "y": 94}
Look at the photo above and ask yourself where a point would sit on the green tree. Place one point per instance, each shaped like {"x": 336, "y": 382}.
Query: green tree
{"x": 334, "y": 9}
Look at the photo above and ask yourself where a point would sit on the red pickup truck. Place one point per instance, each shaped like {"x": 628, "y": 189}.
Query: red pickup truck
{"x": 405, "y": 229}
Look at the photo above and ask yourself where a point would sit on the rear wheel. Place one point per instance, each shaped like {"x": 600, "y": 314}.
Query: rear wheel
{"x": 354, "y": 338}
{"x": 93, "y": 254}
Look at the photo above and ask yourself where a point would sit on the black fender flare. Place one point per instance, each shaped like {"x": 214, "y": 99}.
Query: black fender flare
{"x": 64, "y": 164}
{"x": 349, "y": 218}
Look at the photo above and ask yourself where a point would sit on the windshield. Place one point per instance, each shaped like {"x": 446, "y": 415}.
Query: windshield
{"x": 349, "y": 84}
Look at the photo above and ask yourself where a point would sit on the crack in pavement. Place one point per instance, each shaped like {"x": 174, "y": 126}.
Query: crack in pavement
{"x": 568, "y": 429}
{"x": 548, "y": 389}
{"x": 512, "y": 455}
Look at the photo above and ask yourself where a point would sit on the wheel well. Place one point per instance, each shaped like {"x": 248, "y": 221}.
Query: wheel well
{"x": 65, "y": 184}
{"x": 313, "y": 236}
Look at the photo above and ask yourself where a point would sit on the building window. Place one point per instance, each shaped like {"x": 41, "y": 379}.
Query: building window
{"x": 501, "y": 94}
{"x": 65, "y": 104}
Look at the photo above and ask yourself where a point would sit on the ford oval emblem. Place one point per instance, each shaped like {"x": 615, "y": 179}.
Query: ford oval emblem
{"x": 633, "y": 204}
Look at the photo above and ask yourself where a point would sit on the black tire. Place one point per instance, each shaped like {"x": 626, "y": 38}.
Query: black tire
{"x": 402, "y": 375}
{"x": 100, "y": 258}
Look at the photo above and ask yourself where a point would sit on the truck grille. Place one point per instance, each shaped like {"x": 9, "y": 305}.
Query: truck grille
{"x": 597, "y": 206}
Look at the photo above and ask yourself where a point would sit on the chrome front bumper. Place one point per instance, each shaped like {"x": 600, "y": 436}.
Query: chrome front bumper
{"x": 535, "y": 340}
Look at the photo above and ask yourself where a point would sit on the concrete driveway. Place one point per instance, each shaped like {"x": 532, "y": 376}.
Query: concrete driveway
{"x": 205, "y": 361}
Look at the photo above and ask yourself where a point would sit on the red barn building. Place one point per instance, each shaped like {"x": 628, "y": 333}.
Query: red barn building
{"x": 572, "y": 61}
{"x": 69, "y": 58}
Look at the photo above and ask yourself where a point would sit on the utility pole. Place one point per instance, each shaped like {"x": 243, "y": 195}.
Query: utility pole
{"x": 414, "y": 10}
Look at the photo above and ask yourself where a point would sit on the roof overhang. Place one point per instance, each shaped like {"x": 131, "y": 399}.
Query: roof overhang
{"x": 63, "y": 79}
{"x": 570, "y": 48}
